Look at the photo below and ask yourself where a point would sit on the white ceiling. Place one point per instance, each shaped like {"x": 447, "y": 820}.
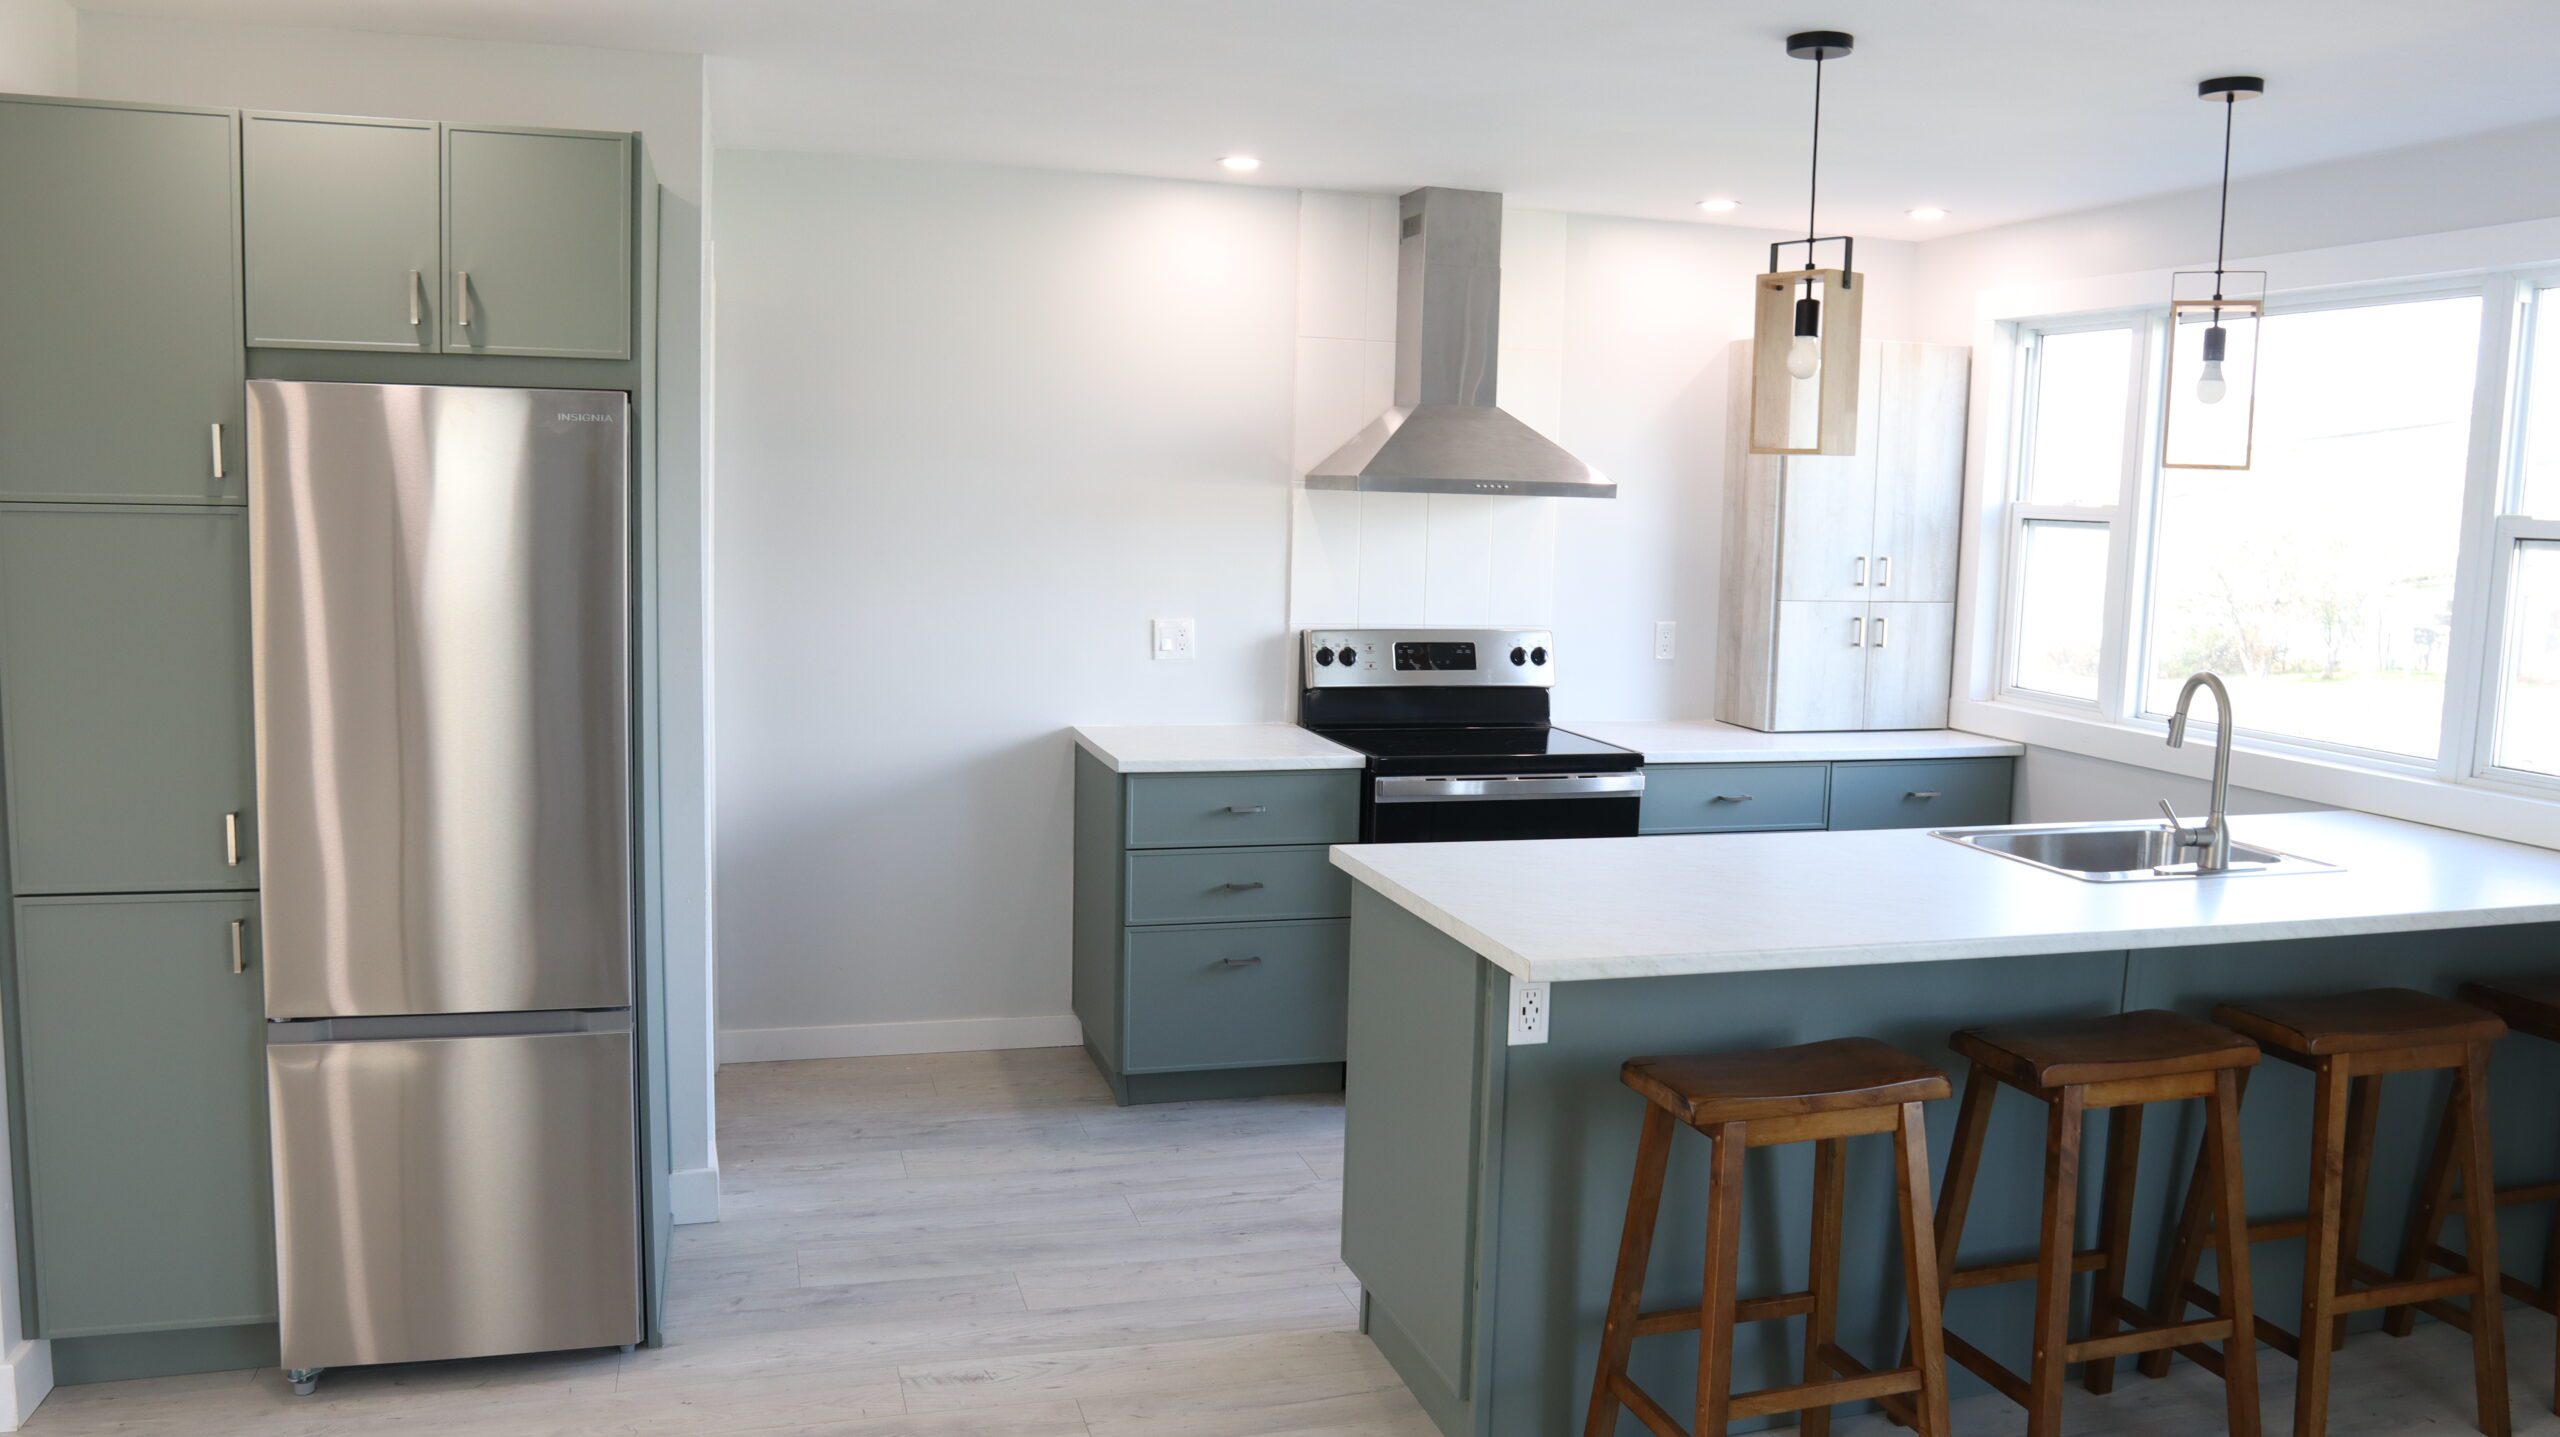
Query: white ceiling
{"x": 1996, "y": 109}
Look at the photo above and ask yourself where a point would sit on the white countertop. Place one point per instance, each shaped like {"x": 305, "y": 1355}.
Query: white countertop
{"x": 1742, "y": 902}
{"x": 1211, "y": 748}
{"x": 1706, "y": 741}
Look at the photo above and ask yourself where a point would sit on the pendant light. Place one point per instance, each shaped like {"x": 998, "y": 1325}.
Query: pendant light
{"x": 2213, "y": 331}
{"x": 1804, "y": 353}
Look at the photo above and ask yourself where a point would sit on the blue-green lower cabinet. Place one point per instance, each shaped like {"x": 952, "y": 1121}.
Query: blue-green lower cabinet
{"x": 1762, "y": 797}
{"x": 142, "y": 1086}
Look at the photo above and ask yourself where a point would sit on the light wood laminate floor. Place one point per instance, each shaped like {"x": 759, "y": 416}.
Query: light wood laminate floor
{"x": 980, "y": 1243}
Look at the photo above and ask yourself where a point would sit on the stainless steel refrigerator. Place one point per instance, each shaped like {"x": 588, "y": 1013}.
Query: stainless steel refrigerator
{"x": 440, "y": 603}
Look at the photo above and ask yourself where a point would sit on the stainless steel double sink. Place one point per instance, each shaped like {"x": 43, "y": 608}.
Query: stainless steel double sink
{"x": 2119, "y": 852}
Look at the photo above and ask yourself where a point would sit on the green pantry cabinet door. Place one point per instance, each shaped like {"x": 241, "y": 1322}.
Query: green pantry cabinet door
{"x": 537, "y": 243}
{"x": 120, "y": 357}
{"x": 344, "y": 244}
{"x": 124, "y": 699}
{"x": 141, "y": 1040}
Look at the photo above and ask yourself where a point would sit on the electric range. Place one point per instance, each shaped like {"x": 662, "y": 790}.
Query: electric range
{"x": 1454, "y": 724}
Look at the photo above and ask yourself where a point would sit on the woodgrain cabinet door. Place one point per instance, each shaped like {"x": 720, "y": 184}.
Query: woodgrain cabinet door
{"x": 1920, "y": 407}
{"x": 344, "y": 246}
{"x": 1826, "y": 530}
{"x": 1910, "y": 662}
{"x": 1820, "y": 681}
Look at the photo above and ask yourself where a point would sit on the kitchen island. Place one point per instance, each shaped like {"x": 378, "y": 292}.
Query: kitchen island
{"x": 1485, "y": 1180}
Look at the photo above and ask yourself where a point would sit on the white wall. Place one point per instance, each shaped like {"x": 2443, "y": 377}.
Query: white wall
{"x": 977, "y": 426}
{"x": 662, "y": 96}
{"x": 39, "y": 42}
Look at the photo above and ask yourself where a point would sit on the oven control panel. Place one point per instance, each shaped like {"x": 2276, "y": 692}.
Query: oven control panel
{"x": 1437, "y": 658}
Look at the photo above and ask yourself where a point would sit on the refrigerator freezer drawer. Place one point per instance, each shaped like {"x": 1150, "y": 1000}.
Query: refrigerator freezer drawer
{"x": 454, "y": 1197}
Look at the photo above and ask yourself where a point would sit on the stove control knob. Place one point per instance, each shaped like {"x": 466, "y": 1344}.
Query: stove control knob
{"x": 1538, "y": 657}
{"x": 1519, "y": 657}
{"x": 1324, "y": 656}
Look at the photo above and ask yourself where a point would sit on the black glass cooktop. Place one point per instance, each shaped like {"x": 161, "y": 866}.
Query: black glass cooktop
{"x": 1487, "y": 749}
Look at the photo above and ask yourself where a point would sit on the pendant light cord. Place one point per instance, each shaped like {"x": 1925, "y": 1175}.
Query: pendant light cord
{"x": 2222, "y": 227}
{"x": 1813, "y": 182}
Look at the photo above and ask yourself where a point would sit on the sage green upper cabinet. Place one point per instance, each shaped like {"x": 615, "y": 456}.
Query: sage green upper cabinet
{"x": 344, "y": 244}
{"x": 124, "y": 699}
{"x": 141, "y": 1045}
{"x": 537, "y": 243}
{"x": 120, "y": 357}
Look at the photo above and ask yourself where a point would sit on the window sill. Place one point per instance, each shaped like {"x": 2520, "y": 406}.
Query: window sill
{"x": 2486, "y": 808}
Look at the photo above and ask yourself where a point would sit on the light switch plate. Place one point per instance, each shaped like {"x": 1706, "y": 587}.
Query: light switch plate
{"x": 1528, "y": 1013}
{"x": 1664, "y": 633}
{"x": 1173, "y": 638}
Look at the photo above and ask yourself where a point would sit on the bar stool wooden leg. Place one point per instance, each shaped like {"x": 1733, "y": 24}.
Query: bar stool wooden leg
{"x": 2054, "y": 1266}
{"x": 2115, "y": 1238}
{"x": 2186, "y": 1251}
{"x": 1724, "y": 1255}
{"x": 2435, "y": 1203}
{"x": 2480, "y": 1245}
{"x": 1626, "y": 1289}
{"x": 1822, "y": 1324}
{"x": 1921, "y": 1276}
{"x": 2221, "y": 1157}
{"x": 2330, "y": 1078}
{"x": 2363, "y": 1111}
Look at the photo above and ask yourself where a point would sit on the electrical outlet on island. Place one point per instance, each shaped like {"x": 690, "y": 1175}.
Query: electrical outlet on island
{"x": 1528, "y": 1013}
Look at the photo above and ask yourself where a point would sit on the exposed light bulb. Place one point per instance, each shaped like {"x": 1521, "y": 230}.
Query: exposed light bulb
{"x": 1804, "y": 357}
{"x": 2209, "y": 384}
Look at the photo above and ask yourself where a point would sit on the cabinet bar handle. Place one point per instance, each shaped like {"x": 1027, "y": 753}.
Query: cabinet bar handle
{"x": 1862, "y": 571}
{"x": 1880, "y": 633}
{"x": 1884, "y": 572}
{"x": 239, "y": 946}
{"x": 1248, "y": 809}
{"x": 1731, "y": 798}
{"x": 1858, "y": 632}
{"x": 1241, "y": 887}
{"x": 217, "y": 450}
{"x": 462, "y": 298}
{"x": 417, "y": 314}
{"x": 231, "y": 839}
{"x": 1240, "y": 962}
{"x": 1923, "y": 794}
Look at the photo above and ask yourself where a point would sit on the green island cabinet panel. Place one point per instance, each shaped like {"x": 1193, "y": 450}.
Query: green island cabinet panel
{"x": 124, "y": 699}
{"x": 1921, "y": 793}
{"x": 143, "y": 1070}
{"x": 120, "y": 356}
{"x": 537, "y": 243}
{"x": 343, "y": 234}
{"x": 1236, "y": 995}
{"x": 1733, "y": 797}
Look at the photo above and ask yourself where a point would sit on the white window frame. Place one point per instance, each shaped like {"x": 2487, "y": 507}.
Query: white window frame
{"x": 2530, "y": 299}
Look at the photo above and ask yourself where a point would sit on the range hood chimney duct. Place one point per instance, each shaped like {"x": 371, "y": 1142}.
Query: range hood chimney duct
{"x": 1444, "y": 435}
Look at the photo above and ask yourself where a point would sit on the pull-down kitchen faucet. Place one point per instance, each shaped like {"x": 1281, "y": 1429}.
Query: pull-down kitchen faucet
{"x": 2210, "y": 840}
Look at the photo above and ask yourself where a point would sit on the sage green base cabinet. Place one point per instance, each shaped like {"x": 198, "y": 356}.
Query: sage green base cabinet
{"x": 140, "y": 1042}
{"x": 1767, "y": 797}
{"x": 120, "y": 362}
{"x": 124, "y": 699}
{"x": 344, "y": 237}
{"x": 1209, "y": 929}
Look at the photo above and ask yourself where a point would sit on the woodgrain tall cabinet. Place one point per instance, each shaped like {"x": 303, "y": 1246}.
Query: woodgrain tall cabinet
{"x": 1840, "y": 572}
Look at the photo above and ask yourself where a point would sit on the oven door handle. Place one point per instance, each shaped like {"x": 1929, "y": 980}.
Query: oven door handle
{"x": 1534, "y": 786}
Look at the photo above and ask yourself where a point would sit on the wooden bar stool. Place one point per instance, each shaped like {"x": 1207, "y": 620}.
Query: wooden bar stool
{"x": 1821, "y": 1093}
{"x": 2118, "y": 1062}
{"x": 2348, "y": 1041}
{"x": 2526, "y": 1005}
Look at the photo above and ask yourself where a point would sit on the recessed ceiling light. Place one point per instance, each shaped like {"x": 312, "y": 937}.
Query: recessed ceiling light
{"x": 1240, "y": 164}
{"x": 1720, "y": 205}
{"x": 1928, "y": 214}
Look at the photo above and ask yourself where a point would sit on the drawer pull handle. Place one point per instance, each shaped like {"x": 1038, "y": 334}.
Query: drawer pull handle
{"x": 1923, "y": 794}
{"x": 417, "y": 311}
{"x": 462, "y": 298}
{"x": 239, "y": 948}
{"x": 231, "y": 839}
{"x": 217, "y": 451}
{"x": 1240, "y": 962}
{"x": 1246, "y": 887}
{"x": 1731, "y": 798}
{"x": 1248, "y": 809}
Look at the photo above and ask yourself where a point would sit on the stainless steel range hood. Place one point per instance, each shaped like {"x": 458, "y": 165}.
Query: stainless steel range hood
{"x": 1444, "y": 435}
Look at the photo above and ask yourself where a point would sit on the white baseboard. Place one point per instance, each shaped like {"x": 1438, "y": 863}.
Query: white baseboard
{"x": 693, "y": 1195}
{"x": 874, "y": 1040}
{"x": 26, "y": 1376}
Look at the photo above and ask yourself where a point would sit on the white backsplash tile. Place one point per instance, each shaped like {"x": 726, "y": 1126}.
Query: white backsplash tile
{"x": 1324, "y": 559}
{"x": 1523, "y": 544}
{"x": 1395, "y": 544}
{"x": 1458, "y": 560}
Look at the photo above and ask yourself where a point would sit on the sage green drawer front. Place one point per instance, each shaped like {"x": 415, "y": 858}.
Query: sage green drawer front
{"x": 1220, "y": 885}
{"x": 1928, "y": 793}
{"x": 1734, "y": 797}
{"x": 1201, "y": 810}
{"x": 1237, "y": 995}
{"x": 144, "y": 1061}
{"x": 537, "y": 243}
{"x": 343, "y": 235}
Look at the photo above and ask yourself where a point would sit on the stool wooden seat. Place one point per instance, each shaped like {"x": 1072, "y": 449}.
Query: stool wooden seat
{"x": 2348, "y": 1041}
{"x": 1822, "y": 1093}
{"x": 2527, "y": 1005}
{"x": 2118, "y": 1062}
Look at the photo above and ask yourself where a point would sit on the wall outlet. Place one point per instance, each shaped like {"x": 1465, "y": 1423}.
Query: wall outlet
{"x": 1528, "y": 1013}
{"x": 1173, "y": 638}
{"x": 1665, "y": 635}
